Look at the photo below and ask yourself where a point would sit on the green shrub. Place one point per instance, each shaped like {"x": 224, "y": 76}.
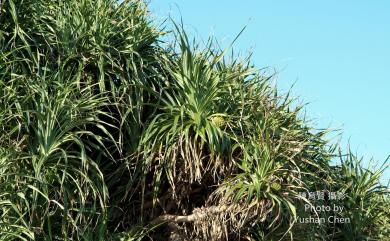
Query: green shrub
{"x": 108, "y": 135}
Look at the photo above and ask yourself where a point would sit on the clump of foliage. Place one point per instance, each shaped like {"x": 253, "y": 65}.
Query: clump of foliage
{"x": 108, "y": 134}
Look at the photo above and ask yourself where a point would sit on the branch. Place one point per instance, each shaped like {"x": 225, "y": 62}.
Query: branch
{"x": 197, "y": 215}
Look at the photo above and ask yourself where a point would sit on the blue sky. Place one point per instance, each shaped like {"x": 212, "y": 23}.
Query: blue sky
{"x": 336, "y": 52}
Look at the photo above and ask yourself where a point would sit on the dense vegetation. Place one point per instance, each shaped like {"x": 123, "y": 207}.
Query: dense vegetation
{"x": 109, "y": 133}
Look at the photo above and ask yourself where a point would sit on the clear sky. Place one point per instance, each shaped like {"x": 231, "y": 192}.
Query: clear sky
{"x": 336, "y": 52}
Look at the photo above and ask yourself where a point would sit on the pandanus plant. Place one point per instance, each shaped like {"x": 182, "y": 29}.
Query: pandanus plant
{"x": 107, "y": 133}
